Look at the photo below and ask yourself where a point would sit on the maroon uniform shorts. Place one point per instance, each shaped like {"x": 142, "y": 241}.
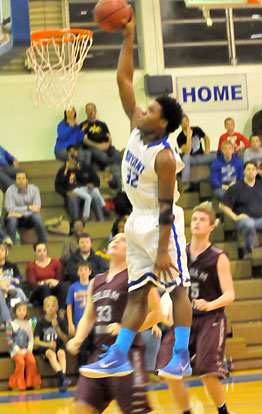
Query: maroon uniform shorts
{"x": 128, "y": 391}
{"x": 207, "y": 343}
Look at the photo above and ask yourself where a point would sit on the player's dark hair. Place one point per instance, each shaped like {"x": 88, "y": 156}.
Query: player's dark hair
{"x": 250, "y": 162}
{"x": 84, "y": 236}
{"x": 171, "y": 111}
{"x": 82, "y": 263}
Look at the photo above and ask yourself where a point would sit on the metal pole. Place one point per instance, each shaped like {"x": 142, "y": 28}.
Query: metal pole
{"x": 231, "y": 36}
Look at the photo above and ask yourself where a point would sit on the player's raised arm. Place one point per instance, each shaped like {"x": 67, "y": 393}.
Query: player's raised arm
{"x": 165, "y": 167}
{"x": 125, "y": 72}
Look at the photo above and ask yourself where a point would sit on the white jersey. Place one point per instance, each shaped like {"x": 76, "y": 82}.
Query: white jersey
{"x": 138, "y": 170}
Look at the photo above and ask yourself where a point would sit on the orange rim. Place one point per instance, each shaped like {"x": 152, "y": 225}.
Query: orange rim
{"x": 43, "y": 37}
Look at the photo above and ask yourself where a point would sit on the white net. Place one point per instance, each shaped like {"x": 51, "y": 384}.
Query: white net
{"x": 57, "y": 57}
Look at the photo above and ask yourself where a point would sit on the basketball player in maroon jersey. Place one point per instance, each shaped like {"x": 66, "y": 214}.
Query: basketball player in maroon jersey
{"x": 107, "y": 299}
{"x": 211, "y": 290}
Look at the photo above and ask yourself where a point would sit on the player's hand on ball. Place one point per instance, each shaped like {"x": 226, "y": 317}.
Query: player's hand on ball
{"x": 201, "y": 304}
{"x": 129, "y": 25}
{"x": 73, "y": 346}
{"x": 113, "y": 328}
{"x": 163, "y": 265}
{"x": 156, "y": 331}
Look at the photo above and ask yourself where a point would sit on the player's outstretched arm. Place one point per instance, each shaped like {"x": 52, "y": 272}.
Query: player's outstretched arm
{"x": 165, "y": 167}
{"x": 85, "y": 324}
{"x": 125, "y": 72}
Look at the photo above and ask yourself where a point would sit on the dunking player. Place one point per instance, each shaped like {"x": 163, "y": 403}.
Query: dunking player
{"x": 106, "y": 303}
{"x": 155, "y": 229}
{"x": 211, "y": 289}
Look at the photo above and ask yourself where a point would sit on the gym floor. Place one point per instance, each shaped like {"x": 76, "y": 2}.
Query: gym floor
{"x": 243, "y": 395}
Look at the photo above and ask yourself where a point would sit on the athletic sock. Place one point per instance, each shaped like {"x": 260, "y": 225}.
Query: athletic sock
{"x": 124, "y": 340}
{"x": 222, "y": 409}
{"x": 61, "y": 376}
{"x": 182, "y": 334}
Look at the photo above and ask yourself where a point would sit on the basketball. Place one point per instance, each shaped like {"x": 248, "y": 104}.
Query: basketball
{"x": 108, "y": 14}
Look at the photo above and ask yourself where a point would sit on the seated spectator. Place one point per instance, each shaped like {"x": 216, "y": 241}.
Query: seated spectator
{"x": 20, "y": 339}
{"x": 98, "y": 140}
{"x": 254, "y": 153}
{"x": 190, "y": 143}
{"x": 76, "y": 303}
{"x": 4, "y": 238}
{"x": 8, "y": 169}
{"x": 23, "y": 204}
{"x": 243, "y": 203}
{"x": 44, "y": 276}
{"x": 5, "y": 315}
{"x": 70, "y": 244}
{"x": 70, "y": 133}
{"x": 239, "y": 141}
{"x": 10, "y": 279}
{"x": 225, "y": 170}
{"x": 85, "y": 253}
{"x": 257, "y": 124}
{"x": 76, "y": 181}
{"x": 51, "y": 336}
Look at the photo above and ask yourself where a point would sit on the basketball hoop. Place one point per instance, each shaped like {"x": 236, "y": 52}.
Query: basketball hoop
{"x": 57, "y": 56}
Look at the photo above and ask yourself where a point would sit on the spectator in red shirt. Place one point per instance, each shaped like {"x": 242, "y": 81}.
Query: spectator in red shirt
{"x": 239, "y": 141}
{"x": 44, "y": 276}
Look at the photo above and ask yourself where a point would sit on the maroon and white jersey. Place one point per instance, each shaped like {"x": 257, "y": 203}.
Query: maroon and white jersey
{"x": 204, "y": 276}
{"x": 110, "y": 299}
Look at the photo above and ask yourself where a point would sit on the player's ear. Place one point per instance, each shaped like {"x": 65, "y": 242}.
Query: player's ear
{"x": 163, "y": 123}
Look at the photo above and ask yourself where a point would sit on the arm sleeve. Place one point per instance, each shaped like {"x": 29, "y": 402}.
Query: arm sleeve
{"x": 31, "y": 275}
{"x": 200, "y": 132}
{"x": 245, "y": 140}
{"x": 10, "y": 203}
{"x": 70, "y": 296}
{"x": 71, "y": 270}
{"x": 58, "y": 269}
{"x": 36, "y": 197}
{"x": 215, "y": 176}
{"x": 221, "y": 139}
{"x": 92, "y": 177}
{"x": 13, "y": 347}
{"x": 61, "y": 182}
{"x": 229, "y": 197}
{"x": 31, "y": 337}
{"x": 10, "y": 159}
{"x": 64, "y": 131}
{"x": 38, "y": 329}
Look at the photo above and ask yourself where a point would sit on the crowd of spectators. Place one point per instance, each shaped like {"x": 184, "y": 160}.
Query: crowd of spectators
{"x": 60, "y": 285}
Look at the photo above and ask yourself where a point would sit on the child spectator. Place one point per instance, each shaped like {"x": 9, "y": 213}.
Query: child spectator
{"x": 76, "y": 302}
{"x": 239, "y": 141}
{"x": 51, "y": 337}
{"x": 20, "y": 339}
{"x": 10, "y": 278}
{"x": 226, "y": 170}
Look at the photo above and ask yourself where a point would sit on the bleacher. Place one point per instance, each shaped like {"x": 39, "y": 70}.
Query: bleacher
{"x": 244, "y": 342}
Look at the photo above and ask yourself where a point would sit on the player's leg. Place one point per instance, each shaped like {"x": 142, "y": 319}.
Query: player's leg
{"x": 179, "y": 364}
{"x": 181, "y": 394}
{"x": 209, "y": 356}
{"x": 92, "y": 396}
{"x": 215, "y": 389}
{"x": 115, "y": 362}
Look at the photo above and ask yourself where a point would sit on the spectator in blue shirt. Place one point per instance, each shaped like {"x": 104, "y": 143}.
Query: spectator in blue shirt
{"x": 76, "y": 302}
{"x": 69, "y": 133}
{"x": 226, "y": 170}
{"x": 8, "y": 169}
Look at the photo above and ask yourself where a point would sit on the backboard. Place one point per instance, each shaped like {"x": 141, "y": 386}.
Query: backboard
{"x": 224, "y": 4}
{"x": 14, "y": 29}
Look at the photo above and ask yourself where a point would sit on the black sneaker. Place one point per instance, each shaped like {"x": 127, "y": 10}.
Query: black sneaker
{"x": 66, "y": 382}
